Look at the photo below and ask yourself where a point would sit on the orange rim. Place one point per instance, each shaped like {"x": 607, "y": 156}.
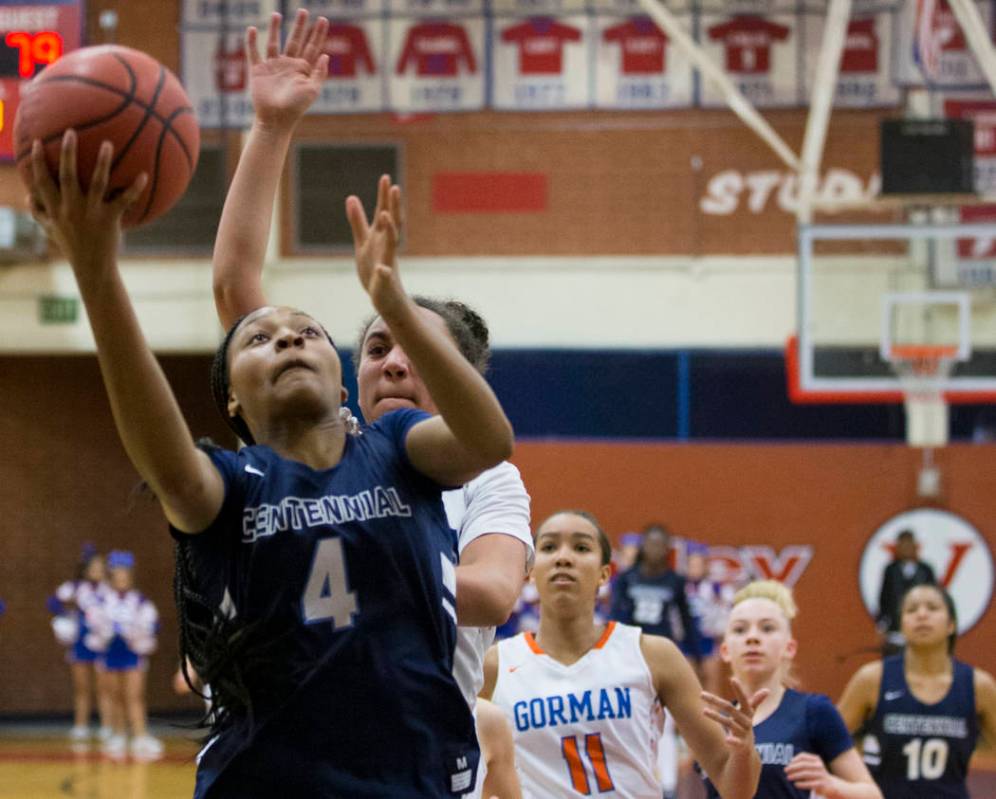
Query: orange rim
{"x": 924, "y": 353}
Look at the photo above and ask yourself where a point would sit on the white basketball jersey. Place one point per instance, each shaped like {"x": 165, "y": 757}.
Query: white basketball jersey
{"x": 587, "y": 729}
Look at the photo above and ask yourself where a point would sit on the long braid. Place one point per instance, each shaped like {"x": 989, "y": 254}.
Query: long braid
{"x": 220, "y": 386}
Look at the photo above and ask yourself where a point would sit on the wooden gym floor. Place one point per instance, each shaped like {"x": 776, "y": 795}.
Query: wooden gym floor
{"x": 38, "y": 762}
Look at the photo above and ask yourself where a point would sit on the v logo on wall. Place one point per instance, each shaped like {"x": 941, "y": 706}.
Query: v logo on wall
{"x": 955, "y": 550}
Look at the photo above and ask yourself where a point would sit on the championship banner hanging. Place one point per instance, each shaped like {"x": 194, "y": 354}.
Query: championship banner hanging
{"x": 357, "y": 68}
{"x": 436, "y": 64}
{"x": 213, "y": 65}
{"x": 864, "y": 80}
{"x": 759, "y": 54}
{"x": 932, "y": 48}
{"x": 540, "y": 63}
{"x": 638, "y": 67}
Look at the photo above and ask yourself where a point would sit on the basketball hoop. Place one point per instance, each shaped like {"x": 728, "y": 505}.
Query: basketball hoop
{"x": 923, "y": 370}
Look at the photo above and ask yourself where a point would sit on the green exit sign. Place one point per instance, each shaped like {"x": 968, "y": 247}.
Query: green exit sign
{"x": 58, "y": 310}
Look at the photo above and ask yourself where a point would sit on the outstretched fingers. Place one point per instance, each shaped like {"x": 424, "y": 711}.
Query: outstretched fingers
{"x": 44, "y": 192}
{"x": 273, "y": 37}
{"x": 734, "y": 721}
{"x": 295, "y": 42}
{"x": 69, "y": 184}
{"x": 386, "y": 226}
{"x": 748, "y": 702}
{"x": 101, "y": 176}
{"x": 316, "y": 40}
{"x": 251, "y": 43}
{"x": 394, "y": 202}
{"x": 357, "y": 218}
{"x": 131, "y": 194}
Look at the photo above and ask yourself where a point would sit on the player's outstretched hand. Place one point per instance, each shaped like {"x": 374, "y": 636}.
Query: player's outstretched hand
{"x": 375, "y": 246}
{"x": 283, "y": 85}
{"x": 85, "y": 225}
{"x": 808, "y": 772}
{"x": 736, "y": 718}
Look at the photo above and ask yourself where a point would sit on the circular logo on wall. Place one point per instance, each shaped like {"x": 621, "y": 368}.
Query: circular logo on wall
{"x": 952, "y": 547}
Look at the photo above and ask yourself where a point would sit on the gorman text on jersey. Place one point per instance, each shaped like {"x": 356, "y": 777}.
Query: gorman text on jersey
{"x": 549, "y": 711}
{"x": 299, "y": 513}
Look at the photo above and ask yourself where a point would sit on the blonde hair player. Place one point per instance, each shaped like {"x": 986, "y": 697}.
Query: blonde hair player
{"x": 585, "y": 699}
{"x": 804, "y": 746}
{"x": 922, "y": 710}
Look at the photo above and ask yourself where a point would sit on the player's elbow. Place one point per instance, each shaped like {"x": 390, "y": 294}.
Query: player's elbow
{"x": 225, "y": 299}
{"x": 499, "y": 601}
{"x": 499, "y": 445}
{"x": 485, "y": 598}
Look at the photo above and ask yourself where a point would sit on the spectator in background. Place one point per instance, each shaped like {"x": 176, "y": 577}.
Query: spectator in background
{"x": 624, "y": 558}
{"x": 905, "y": 572}
{"x": 709, "y": 602}
{"x": 651, "y": 595}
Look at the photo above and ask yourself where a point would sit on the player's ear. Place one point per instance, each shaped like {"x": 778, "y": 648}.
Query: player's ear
{"x": 791, "y": 648}
{"x": 724, "y": 652}
{"x": 343, "y": 395}
{"x": 234, "y": 406}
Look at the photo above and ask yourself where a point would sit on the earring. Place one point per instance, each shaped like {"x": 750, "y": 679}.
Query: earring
{"x": 351, "y": 422}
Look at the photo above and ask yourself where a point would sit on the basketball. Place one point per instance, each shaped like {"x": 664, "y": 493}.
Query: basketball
{"x": 123, "y": 96}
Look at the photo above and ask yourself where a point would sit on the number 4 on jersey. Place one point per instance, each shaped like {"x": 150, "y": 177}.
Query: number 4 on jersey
{"x": 576, "y": 767}
{"x": 326, "y": 596}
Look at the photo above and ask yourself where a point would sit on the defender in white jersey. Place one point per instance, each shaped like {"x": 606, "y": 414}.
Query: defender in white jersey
{"x": 585, "y": 700}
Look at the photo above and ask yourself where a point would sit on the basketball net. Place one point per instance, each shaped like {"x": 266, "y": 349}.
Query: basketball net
{"x": 923, "y": 370}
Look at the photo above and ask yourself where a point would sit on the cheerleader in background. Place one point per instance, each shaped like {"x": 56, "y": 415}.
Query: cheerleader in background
{"x": 123, "y": 629}
{"x": 710, "y": 602}
{"x": 70, "y": 604}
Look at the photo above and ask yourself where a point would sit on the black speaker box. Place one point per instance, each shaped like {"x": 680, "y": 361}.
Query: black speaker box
{"x": 927, "y": 156}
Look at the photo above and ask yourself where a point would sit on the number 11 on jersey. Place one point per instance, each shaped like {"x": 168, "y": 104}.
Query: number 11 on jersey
{"x": 576, "y": 767}
{"x": 326, "y": 595}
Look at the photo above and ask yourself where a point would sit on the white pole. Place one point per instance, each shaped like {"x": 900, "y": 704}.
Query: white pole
{"x": 976, "y": 32}
{"x": 821, "y": 104}
{"x": 734, "y": 98}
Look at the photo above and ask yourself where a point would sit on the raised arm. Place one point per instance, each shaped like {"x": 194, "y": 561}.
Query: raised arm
{"x": 720, "y": 735}
{"x": 471, "y": 433}
{"x": 87, "y": 229}
{"x": 860, "y": 696}
{"x": 283, "y": 85}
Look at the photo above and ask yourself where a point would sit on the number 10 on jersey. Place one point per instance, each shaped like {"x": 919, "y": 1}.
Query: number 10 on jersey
{"x": 326, "y": 595}
{"x": 576, "y": 769}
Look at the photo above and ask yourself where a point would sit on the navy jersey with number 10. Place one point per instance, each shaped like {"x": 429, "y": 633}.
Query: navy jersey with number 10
{"x": 920, "y": 751}
{"x": 345, "y": 579}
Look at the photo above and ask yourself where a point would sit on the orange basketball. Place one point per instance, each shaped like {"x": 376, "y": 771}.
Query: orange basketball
{"x": 123, "y": 96}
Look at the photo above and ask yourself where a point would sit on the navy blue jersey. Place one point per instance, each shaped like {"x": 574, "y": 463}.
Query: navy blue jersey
{"x": 918, "y": 751}
{"x": 802, "y": 723}
{"x": 346, "y": 576}
{"x": 656, "y": 604}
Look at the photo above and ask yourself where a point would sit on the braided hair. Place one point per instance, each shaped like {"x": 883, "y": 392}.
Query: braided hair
{"x": 242, "y": 661}
{"x": 465, "y": 325}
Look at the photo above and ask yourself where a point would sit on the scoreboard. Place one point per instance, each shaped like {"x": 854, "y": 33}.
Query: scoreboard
{"x": 32, "y": 36}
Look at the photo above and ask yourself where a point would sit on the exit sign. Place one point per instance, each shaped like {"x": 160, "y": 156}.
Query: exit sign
{"x": 58, "y": 310}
